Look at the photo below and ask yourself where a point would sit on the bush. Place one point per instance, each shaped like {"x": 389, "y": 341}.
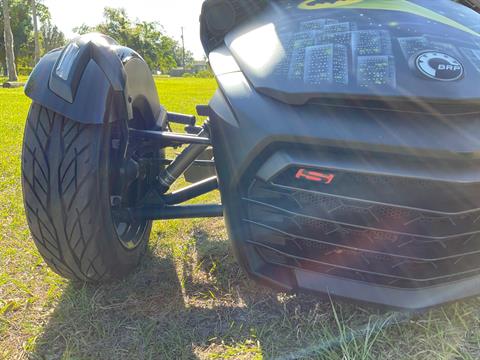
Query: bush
{"x": 24, "y": 70}
{"x": 204, "y": 74}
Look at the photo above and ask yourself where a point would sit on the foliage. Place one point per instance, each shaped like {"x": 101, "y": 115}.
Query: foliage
{"x": 52, "y": 37}
{"x": 160, "y": 51}
{"x": 22, "y": 29}
{"x": 204, "y": 74}
{"x": 24, "y": 70}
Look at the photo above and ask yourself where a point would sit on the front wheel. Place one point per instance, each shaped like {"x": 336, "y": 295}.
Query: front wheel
{"x": 68, "y": 177}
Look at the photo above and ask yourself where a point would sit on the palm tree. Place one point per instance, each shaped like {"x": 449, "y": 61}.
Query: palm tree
{"x": 35, "y": 31}
{"x": 10, "y": 54}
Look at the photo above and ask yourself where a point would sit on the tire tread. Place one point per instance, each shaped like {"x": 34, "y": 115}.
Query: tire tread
{"x": 60, "y": 182}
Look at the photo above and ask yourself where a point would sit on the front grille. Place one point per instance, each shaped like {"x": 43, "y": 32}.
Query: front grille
{"x": 361, "y": 239}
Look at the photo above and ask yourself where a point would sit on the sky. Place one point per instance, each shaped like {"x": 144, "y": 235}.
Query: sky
{"x": 172, "y": 14}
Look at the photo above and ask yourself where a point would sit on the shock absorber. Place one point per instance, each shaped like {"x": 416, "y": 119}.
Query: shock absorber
{"x": 183, "y": 161}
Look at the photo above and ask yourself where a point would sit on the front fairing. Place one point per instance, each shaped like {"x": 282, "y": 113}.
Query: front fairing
{"x": 302, "y": 50}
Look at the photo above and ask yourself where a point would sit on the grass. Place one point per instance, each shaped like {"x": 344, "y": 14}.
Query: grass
{"x": 189, "y": 299}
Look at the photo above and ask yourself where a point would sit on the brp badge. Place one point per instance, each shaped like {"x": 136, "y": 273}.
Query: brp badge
{"x": 439, "y": 66}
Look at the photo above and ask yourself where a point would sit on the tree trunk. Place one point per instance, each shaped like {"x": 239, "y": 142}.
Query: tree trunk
{"x": 35, "y": 31}
{"x": 3, "y": 65}
{"x": 10, "y": 53}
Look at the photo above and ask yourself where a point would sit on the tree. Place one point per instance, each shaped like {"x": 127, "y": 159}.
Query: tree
{"x": 23, "y": 33}
{"x": 52, "y": 37}
{"x": 160, "y": 51}
{"x": 117, "y": 25}
{"x": 189, "y": 58}
{"x": 35, "y": 31}
{"x": 9, "y": 50}
{"x": 21, "y": 26}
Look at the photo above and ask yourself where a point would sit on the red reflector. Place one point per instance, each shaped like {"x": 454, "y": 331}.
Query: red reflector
{"x": 315, "y": 176}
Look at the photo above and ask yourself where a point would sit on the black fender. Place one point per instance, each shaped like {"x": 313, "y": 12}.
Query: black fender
{"x": 93, "y": 80}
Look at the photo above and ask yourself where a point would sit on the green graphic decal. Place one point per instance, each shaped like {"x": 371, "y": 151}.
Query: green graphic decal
{"x": 390, "y": 5}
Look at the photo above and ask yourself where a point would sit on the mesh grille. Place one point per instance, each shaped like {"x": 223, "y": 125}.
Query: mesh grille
{"x": 368, "y": 214}
{"x": 388, "y": 181}
{"x": 359, "y": 239}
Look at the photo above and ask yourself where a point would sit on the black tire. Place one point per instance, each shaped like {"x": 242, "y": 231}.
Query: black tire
{"x": 66, "y": 186}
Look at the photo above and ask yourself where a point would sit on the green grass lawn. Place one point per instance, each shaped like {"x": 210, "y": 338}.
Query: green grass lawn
{"x": 189, "y": 298}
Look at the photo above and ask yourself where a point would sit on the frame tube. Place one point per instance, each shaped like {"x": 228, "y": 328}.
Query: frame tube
{"x": 191, "y": 192}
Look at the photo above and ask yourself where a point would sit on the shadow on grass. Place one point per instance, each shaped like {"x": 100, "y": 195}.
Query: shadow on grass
{"x": 201, "y": 306}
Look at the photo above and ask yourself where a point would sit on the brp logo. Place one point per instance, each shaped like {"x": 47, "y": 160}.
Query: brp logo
{"x": 439, "y": 66}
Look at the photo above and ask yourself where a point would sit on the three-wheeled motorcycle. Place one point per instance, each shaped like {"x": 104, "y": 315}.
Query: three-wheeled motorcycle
{"x": 344, "y": 138}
